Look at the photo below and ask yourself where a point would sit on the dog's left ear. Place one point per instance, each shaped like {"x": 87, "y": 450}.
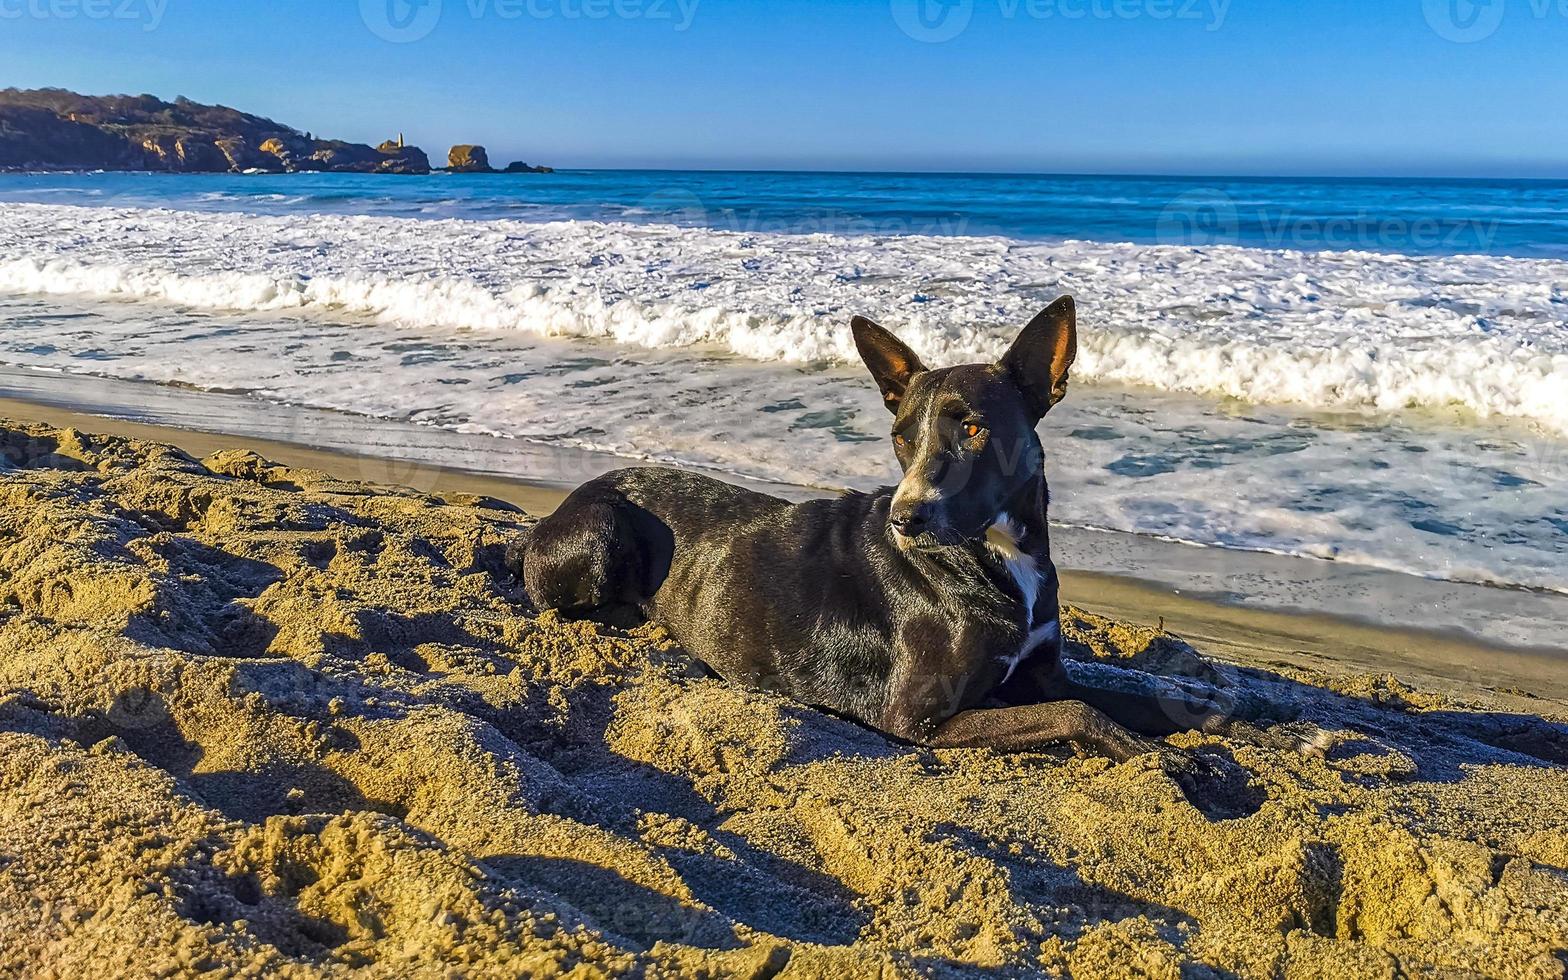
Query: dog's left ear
{"x": 1038, "y": 360}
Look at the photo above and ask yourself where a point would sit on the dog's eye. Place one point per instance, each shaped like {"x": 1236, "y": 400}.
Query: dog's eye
{"x": 973, "y": 429}
{"x": 899, "y": 440}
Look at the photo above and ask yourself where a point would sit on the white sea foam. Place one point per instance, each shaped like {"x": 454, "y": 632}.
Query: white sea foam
{"x": 1328, "y": 330}
{"x": 357, "y": 314}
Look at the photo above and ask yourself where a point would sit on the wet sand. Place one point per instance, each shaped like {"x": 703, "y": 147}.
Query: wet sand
{"x": 259, "y": 719}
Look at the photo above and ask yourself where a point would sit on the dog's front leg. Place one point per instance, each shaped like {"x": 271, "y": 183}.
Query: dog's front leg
{"x": 1087, "y": 729}
{"x": 934, "y": 701}
{"x": 935, "y": 697}
{"x": 1035, "y": 725}
{"x": 1047, "y": 680}
{"x": 1157, "y": 715}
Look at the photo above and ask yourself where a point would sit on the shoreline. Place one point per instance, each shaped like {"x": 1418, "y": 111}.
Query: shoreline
{"x": 1269, "y": 636}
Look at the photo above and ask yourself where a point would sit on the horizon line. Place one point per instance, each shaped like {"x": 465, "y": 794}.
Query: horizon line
{"x": 1113, "y": 175}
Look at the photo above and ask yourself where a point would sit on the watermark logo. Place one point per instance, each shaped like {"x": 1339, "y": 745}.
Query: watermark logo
{"x": 148, "y": 13}
{"x": 400, "y": 21}
{"x": 672, "y": 205}
{"x": 138, "y": 708}
{"x": 933, "y": 21}
{"x": 1469, "y": 21}
{"x": 1199, "y": 217}
{"x": 306, "y": 427}
{"x": 1464, "y": 21}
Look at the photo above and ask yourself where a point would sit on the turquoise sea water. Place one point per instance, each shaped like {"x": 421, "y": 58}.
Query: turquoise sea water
{"x": 1426, "y": 216}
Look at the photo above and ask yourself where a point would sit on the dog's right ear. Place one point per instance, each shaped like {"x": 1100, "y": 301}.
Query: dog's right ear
{"x": 892, "y": 364}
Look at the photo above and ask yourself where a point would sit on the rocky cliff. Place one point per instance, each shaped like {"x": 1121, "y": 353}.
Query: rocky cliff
{"x": 53, "y": 129}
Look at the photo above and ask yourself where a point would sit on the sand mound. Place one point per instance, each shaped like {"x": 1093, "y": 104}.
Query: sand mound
{"x": 256, "y": 719}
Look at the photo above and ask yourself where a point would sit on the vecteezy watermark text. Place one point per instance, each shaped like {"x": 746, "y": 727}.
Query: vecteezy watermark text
{"x": 680, "y": 13}
{"x": 935, "y": 21}
{"x": 1212, "y": 217}
{"x": 402, "y": 21}
{"x": 148, "y": 13}
{"x": 679, "y": 206}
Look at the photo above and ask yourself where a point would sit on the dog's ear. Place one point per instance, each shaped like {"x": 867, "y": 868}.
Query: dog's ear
{"x": 892, "y": 364}
{"x": 1038, "y": 360}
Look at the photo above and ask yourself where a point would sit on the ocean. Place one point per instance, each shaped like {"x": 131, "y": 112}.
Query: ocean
{"x": 1372, "y": 372}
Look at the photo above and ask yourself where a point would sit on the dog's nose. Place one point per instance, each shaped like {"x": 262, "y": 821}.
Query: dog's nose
{"x": 910, "y": 521}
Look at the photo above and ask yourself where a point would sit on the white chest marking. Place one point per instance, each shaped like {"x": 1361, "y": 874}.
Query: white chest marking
{"x": 1039, "y": 636}
{"x": 1002, "y": 539}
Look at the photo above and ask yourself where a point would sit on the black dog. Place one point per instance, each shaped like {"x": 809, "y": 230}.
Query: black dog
{"x": 907, "y": 609}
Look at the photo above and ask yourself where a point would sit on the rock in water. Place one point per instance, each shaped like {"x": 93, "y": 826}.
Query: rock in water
{"x": 468, "y": 159}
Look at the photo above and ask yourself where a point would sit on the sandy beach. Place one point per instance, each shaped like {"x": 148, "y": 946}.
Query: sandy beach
{"x": 258, "y": 718}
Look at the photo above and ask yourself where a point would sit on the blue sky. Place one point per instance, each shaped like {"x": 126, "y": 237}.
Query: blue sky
{"x": 1427, "y": 87}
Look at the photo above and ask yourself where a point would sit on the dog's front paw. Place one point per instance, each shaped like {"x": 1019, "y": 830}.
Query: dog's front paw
{"x": 1120, "y": 745}
{"x": 1188, "y": 769}
{"x": 1214, "y": 785}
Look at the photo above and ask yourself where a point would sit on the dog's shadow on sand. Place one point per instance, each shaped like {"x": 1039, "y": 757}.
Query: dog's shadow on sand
{"x": 776, "y": 895}
{"x": 616, "y": 904}
{"x": 614, "y": 793}
{"x": 1449, "y": 741}
{"x": 1370, "y": 738}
